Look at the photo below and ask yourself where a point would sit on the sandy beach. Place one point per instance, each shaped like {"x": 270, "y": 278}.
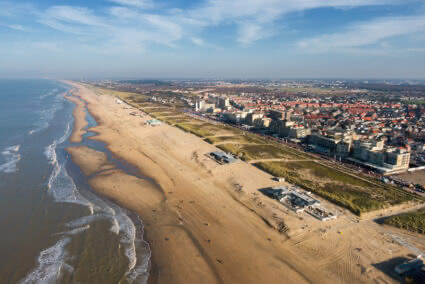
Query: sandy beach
{"x": 79, "y": 116}
{"x": 202, "y": 228}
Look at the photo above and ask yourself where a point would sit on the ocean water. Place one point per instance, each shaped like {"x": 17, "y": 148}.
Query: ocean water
{"x": 53, "y": 228}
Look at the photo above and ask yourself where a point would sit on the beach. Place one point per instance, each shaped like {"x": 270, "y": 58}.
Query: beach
{"x": 54, "y": 228}
{"x": 79, "y": 117}
{"x": 206, "y": 222}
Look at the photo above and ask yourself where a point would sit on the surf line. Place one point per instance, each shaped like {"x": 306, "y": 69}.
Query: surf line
{"x": 125, "y": 223}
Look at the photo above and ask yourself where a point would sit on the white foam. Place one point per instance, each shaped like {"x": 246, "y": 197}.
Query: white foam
{"x": 77, "y": 230}
{"x": 52, "y": 92}
{"x": 85, "y": 220}
{"x": 115, "y": 228}
{"x": 122, "y": 225}
{"x": 63, "y": 189}
{"x": 46, "y": 115}
{"x": 13, "y": 148}
{"x": 61, "y": 186}
{"x": 140, "y": 273}
{"x": 50, "y": 263}
{"x": 104, "y": 210}
{"x": 128, "y": 237}
{"x": 12, "y": 157}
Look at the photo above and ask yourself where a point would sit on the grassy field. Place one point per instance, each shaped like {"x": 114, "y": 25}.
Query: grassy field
{"x": 320, "y": 91}
{"x": 242, "y": 139}
{"x": 412, "y": 221}
{"x": 258, "y": 152}
{"x": 354, "y": 193}
{"x": 166, "y": 113}
{"x": 120, "y": 94}
{"x": 176, "y": 121}
{"x": 202, "y": 129}
{"x": 154, "y": 109}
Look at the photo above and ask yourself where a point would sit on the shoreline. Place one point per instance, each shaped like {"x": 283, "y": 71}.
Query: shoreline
{"x": 192, "y": 261}
{"x": 198, "y": 228}
{"x": 78, "y": 113}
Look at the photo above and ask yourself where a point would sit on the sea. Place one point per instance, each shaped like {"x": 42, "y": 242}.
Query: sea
{"x": 53, "y": 227}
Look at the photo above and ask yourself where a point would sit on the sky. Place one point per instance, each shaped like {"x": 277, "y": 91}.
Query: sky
{"x": 94, "y": 39}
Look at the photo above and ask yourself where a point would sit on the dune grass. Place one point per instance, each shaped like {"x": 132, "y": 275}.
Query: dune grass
{"x": 258, "y": 152}
{"x": 242, "y": 139}
{"x": 357, "y": 195}
{"x": 412, "y": 221}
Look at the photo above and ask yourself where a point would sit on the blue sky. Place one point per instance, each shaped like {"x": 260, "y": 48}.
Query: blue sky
{"x": 213, "y": 38}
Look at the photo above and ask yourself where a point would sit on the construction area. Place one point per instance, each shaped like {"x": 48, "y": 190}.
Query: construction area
{"x": 299, "y": 201}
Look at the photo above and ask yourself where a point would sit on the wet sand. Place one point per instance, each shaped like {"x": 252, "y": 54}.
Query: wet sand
{"x": 79, "y": 117}
{"x": 200, "y": 229}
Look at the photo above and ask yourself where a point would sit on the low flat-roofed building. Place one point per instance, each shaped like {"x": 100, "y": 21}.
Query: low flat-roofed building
{"x": 153, "y": 122}
{"x": 223, "y": 157}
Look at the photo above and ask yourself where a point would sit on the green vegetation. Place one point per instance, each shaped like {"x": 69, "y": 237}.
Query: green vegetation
{"x": 197, "y": 129}
{"x": 175, "y": 120}
{"x": 242, "y": 139}
{"x": 203, "y": 129}
{"x": 415, "y": 102}
{"x": 354, "y": 193}
{"x": 166, "y": 113}
{"x": 258, "y": 152}
{"x": 154, "y": 109}
{"x": 321, "y": 91}
{"x": 412, "y": 221}
{"x": 120, "y": 94}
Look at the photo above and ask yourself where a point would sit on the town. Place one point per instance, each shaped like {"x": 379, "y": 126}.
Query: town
{"x": 381, "y": 131}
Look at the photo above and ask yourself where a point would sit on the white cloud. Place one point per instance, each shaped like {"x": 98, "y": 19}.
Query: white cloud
{"x": 17, "y": 27}
{"x": 73, "y": 15}
{"x": 366, "y": 33}
{"x": 256, "y": 19}
{"x": 121, "y": 28}
{"x": 126, "y": 24}
{"x": 135, "y": 3}
{"x": 250, "y": 32}
{"x": 198, "y": 41}
{"x": 14, "y": 27}
{"x": 11, "y": 9}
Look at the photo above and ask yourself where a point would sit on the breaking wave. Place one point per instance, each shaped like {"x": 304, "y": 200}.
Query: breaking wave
{"x": 11, "y": 157}
{"x": 50, "y": 263}
{"x": 138, "y": 269}
{"x": 62, "y": 188}
{"x": 76, "y": 230}
{"x": 46, "y": 115}
{"x": 52, "y": 92}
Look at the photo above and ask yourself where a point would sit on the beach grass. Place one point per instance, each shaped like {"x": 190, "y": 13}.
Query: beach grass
{"x": 412, "y": 221}
{"x": 354, "y": 193}
{"x": 241, "y": 139}
{"x": 201, "y": 130}
{"x": 258, "y": 152}
{"x": 121, "y": 94}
